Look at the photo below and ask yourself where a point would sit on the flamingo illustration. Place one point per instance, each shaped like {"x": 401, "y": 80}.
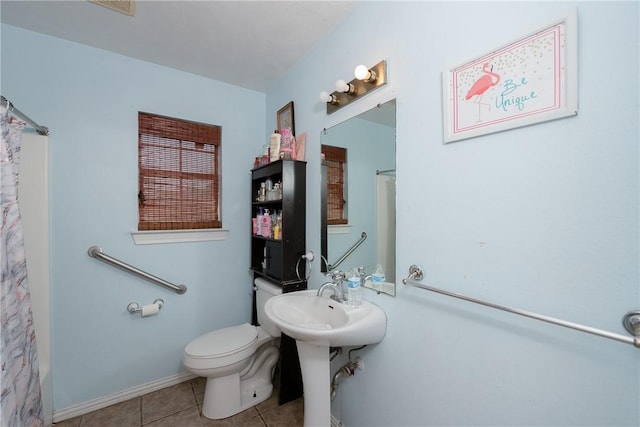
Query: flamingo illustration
{"x": 481, "y": 86}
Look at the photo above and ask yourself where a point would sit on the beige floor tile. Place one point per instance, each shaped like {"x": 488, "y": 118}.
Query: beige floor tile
{"x": 290, "y": 414}
{"x": 124, "y": 414}
{"x": 252, "y": 422}
{"x": 198, "y": 385}
{"x": 71, "y": 422}
{"x": 227, "y": 422}
{"x": 187, "y": 418}
{"x": 233, "y": 420}
{"x": 167, "y": 401}
{"x": 270, "y": 403}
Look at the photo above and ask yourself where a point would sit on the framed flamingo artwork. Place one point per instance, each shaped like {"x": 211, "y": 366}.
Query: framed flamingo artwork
{"x": 531, "y": 80}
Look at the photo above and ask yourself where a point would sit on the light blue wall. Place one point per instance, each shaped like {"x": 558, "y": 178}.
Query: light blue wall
{"x": 90, "y": 98}
{"x": 544, "y": 218}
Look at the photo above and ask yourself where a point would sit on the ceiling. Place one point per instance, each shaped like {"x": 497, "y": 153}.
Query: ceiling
{"x": 250, "y": 44}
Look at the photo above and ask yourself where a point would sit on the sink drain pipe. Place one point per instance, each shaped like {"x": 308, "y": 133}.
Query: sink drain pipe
{"x": 347, "y": 370}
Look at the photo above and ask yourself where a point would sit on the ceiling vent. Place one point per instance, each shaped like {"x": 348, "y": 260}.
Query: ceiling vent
{"x": 125, "y": 6}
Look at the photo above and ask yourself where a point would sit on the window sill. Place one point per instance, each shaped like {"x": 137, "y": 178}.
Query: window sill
{"x": 339, "y": 229}
{"x": 178, "y": 236}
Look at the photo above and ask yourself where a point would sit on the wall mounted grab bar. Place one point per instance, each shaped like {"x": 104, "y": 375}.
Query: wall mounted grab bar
{"x": 363, "y": 237}
{"x": 415, "y": 273}
{"x": 96, "y": 252}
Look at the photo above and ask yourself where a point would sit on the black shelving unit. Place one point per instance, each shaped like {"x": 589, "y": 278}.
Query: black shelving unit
{"x": 278, "y": 259}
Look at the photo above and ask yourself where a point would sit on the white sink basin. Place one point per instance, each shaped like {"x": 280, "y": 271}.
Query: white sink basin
{"x": 318, "y": 323}
{"x": 304, "y": 316}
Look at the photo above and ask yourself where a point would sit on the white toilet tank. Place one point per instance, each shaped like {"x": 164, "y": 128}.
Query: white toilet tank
{"x": 264, "y": 291}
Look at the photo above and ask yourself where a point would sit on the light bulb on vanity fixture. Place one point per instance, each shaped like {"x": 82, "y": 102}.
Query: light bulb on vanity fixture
{"x": 362, "y": 72}
{"x": 328, "y": 98}
{"x": 344, "y": 87}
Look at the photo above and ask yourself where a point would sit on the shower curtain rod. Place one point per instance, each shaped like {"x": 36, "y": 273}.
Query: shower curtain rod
{"x": 42, "y": 130}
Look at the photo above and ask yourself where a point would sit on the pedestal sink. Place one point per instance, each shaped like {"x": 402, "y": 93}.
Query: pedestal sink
{"x": 317, "y": 323}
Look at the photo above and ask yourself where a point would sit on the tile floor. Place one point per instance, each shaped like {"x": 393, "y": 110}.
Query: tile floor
{"x": 180, "y": 406}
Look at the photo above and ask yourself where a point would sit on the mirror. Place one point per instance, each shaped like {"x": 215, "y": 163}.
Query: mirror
{"x": 361, "y": 224}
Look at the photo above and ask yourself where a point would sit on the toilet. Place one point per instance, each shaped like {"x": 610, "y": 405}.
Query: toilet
{"x": 237, "y": 361}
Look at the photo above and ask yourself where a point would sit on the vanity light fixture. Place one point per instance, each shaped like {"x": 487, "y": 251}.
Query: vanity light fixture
{"x": 367, "y": 79}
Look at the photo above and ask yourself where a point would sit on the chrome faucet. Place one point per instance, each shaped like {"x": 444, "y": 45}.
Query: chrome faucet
{"x": 335, "y": 291}
{"x": 336, "y": 286}
{"x": 363, "y": 277}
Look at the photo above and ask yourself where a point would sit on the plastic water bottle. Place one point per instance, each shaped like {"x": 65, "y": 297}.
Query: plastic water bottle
{"x": 378, "y": 278}
{"x": 354, "y": 293}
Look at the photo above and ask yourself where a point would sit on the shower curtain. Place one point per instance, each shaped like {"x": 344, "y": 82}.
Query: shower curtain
{"x": 20, "y": 398}
{"x": 386, "y": 224}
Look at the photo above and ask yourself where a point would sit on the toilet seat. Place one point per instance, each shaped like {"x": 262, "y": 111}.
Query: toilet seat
{"x": 222, "y": 342}
{"x": 221, "y": 347}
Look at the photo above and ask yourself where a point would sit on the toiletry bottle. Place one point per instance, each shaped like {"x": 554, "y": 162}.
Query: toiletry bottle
{"x": 354, "y": 283}
{"x": 265, "y": 229}
{"x": 263, "y": 192}
{"x": 279, "y": 225}
{"x": 278, "y": 187}
{"x": 274, "y": 225}
{"x": 259, "y": 222}
{"x": 274, "y": 146}
{"x": 285, "y": 144}
{"x": 269, "y": 189}
{"x": 276, "y": 191}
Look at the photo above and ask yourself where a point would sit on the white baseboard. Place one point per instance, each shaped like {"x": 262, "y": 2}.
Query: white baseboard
{"x": 112, "y": 399}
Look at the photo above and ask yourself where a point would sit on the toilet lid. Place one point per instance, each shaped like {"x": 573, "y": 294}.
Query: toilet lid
{"x": 223, "y": 341}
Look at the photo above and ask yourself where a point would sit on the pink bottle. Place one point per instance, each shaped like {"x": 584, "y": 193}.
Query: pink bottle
{"x": 265, "y": 228}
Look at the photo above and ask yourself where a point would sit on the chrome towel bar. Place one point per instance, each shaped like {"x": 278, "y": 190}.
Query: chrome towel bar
{"x": 96, "y": 252}
{"x": 631, "y": 320}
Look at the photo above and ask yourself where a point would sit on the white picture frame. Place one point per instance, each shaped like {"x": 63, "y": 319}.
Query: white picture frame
{"x": 530, "y": 80}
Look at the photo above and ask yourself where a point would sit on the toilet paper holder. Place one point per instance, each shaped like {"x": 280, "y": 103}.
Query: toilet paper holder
{"x": 134, "y": 307}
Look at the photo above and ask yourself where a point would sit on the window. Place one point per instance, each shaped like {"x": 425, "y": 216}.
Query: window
{"x": 178, "y": 164}
{"x": 336, "y": 160}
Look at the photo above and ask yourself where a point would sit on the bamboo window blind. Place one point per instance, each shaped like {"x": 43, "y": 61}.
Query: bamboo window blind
{"x": 178, "y": 163}
{"x": 336, "y": 160}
